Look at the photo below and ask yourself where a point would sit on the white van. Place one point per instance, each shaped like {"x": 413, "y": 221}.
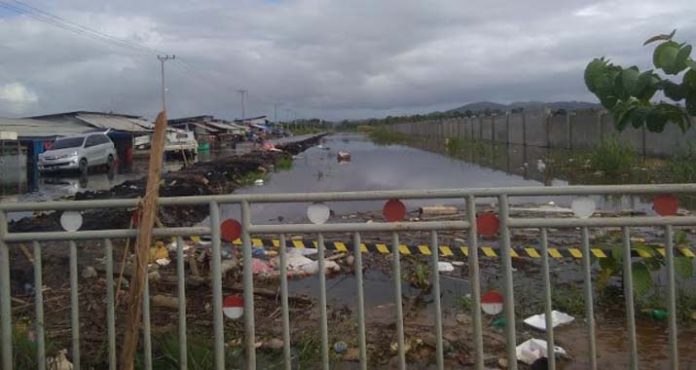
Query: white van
{"x": 78, "y": 153}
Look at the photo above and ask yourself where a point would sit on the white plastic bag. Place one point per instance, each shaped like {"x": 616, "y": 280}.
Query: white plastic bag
{"x": 534, "y": 349}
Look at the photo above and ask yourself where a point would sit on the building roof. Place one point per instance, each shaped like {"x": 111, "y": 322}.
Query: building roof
{"x": 75, "y": 113}
{"x": 115, "y": 122}
{"x": 226, "y": 126}
{"x": 189, "y": 119}
{"x": 36, "y": 128}
{"x": 196, "y": 124}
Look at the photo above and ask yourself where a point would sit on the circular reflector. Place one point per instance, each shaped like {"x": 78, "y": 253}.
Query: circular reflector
{"x": 583, "y": 207}
{"x": 666, "y": 205}
{"x": 492, "y": 303}
{"x": 487, "y": 224}
{"x": 318, "y": 213}
{"x": 233, "y": 307}
{"x": 71, "y": 221}
{"x": 230, "y": 230}
{"x": 394, "y": 210}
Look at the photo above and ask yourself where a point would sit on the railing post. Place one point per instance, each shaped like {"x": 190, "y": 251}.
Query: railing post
{"x": 548, "y": 308}
{"x": 284, "y": 302}
{"x": 396, "y": 272}
{"x": 361, "y": 300}
{"x": 5, "y": 296}
{"x": 628, "y": 293}
{"x": 181, "y": 293}
{"x": 110, "y": 305}
{"x": 589, "y": 305}
{"x": 672, "y": 300}
{"x": 324, "y": 326}
{"x": 436, "y": 300}
{"x": 216, "y": 272}
{"x": 38, "y": 302}
{"x": 248, "y": 279}
{"x": 475, "y": 283}
{"x": 510, "y": 337}
{"x": 74, "y": 306}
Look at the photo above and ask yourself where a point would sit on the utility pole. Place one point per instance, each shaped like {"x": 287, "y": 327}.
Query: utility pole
{"x": 163, "y": 59}
{"x": 242, "y": 93}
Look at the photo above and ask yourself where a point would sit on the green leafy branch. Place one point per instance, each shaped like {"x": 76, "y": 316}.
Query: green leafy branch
{"x": 628, "y": 93}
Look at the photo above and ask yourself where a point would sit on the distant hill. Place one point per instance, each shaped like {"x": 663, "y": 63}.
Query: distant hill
{"x": 527, "y": 105}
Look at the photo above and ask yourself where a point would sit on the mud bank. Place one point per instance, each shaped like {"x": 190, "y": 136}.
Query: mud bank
{"x": 220, "y": 176}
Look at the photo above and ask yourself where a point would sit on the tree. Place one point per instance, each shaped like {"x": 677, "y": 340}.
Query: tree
{"x": 628, "y": 93}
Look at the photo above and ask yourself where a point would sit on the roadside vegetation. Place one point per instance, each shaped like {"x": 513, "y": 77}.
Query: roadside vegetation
{"x": 381, "y": 135}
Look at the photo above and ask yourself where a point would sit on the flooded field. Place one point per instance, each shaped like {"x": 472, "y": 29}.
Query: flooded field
{"x": 375, "y": 167}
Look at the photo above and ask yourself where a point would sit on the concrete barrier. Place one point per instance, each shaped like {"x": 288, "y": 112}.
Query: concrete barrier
{"x": 582, "y": 129}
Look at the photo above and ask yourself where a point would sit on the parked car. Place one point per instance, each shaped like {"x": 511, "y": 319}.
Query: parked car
{"x": 78, "y": 153}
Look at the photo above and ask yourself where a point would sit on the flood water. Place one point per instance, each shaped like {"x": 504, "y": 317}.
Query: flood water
{"x": 395, "y": 167}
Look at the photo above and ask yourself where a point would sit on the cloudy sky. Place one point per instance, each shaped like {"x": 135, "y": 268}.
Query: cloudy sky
{"x": 329, "y": 59}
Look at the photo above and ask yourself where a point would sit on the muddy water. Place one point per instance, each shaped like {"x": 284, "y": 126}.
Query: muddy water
{"x": 612, "y": 344}
{"x": 393, "y": 167}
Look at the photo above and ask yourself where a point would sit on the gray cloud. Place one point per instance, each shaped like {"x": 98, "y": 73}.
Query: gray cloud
{"x": 330, "y": 59}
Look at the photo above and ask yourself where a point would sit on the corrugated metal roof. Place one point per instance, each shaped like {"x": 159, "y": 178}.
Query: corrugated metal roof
{"x": 196, "y": 124}
{"x": 105, "y": 121}
{"x": 226, "y": 126}
{"x": 30, "y": 128}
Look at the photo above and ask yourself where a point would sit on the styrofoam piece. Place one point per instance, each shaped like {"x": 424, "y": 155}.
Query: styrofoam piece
{"x": 557, "y": 318}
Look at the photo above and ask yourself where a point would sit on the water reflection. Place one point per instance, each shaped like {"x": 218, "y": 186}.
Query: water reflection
{"x": 397, "y": 167}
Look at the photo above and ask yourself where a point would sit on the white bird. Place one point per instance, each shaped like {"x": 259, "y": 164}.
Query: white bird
{"x": 541, "y": 166}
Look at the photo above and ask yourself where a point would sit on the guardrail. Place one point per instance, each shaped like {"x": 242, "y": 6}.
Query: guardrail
{"x": 7, "y": 240}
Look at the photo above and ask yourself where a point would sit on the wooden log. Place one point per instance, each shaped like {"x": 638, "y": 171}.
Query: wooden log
{"x": 146, "y": 219}
{"x": 164, "y": 301}
{"x": 437, "y": 210}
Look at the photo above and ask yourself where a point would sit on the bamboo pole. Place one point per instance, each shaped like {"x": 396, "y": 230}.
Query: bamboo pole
{"x": 147, "y": 215}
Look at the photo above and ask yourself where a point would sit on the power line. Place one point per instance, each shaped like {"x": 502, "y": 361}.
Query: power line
{"x": 24, "y": 8}
{"x": 21, "y": 7}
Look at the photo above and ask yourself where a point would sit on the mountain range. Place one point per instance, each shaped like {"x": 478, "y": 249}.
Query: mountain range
{"x": 528, "y": 105}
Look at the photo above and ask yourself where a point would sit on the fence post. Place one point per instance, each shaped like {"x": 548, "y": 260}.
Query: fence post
{"x": 493, "y": 128}
{"x": 471, "y": 124}
{"x": 507, "y": 128}
{"x": 480, "y": 120}
{"x": 569, "y": 132}
{"x": 524, "y": 128}
{"x": 547, "y": 117}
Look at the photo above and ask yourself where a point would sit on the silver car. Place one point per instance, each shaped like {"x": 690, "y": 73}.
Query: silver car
{"x": 78, "y": 153}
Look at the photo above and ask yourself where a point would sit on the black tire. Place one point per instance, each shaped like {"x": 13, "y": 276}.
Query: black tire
{"x": 110, "y": 162}
{"x": 84, "y": 167}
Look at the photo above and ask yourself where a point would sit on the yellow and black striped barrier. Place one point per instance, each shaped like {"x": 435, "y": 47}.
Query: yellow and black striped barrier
{"x": 644, "y": 251}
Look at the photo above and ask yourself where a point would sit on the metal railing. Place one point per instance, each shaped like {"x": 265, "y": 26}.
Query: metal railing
{"x": 8, "y": 239}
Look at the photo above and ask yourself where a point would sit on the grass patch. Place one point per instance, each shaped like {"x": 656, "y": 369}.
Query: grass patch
{"x": 384, "y": 136}
{"x": 24, "y": 348}
{"x": 284, "y": 164}
{"x": 307, "y": 130}
{"x": 455, "y": 145}
{"x": 250, "y": 177}
{"x": 682, "y": 166}
{"x": 613, "y": 157}
{"x": 308, "y": 350}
